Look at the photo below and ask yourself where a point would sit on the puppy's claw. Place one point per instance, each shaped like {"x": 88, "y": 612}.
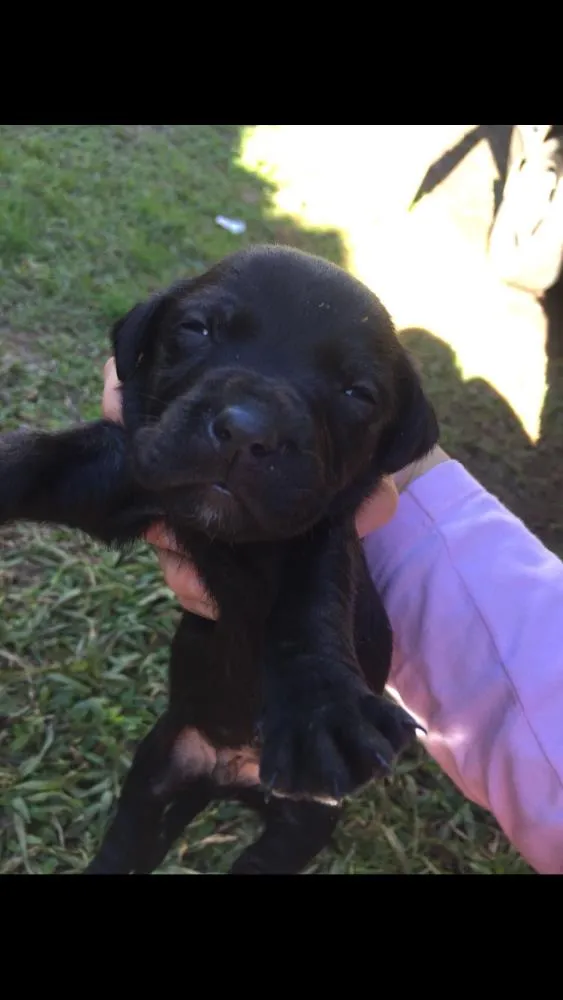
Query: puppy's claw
{"x": 270, "y": 789}
{"x": 396, "y": 725}
{"x": 322, "y": 800}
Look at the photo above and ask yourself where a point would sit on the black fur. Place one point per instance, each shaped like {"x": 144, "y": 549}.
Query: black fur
{"x": 262, "y": 403}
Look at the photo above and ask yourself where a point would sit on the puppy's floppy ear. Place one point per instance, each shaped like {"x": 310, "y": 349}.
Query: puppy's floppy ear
{"x": 414, "y": 430}
{"x": 130, "y": 336}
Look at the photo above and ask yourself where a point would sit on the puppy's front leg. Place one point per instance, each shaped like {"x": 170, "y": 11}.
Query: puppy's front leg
{"x": 325, "y": 734}
{"x": 79, "y": 478}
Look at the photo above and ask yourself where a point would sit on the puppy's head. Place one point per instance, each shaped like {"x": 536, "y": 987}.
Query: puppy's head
{"x": 265, "y": 393}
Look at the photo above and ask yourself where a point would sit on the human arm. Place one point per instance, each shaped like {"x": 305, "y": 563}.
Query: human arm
{"x": 475, "y": 603}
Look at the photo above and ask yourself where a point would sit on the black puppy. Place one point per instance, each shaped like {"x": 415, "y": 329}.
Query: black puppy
{"x": 262, "y": 403}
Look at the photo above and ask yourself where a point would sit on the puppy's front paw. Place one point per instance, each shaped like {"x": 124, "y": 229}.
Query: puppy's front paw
{"x": 325, "y": 739}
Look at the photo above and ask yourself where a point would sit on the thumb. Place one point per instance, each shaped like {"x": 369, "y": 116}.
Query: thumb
{"x": 379, "y": 509}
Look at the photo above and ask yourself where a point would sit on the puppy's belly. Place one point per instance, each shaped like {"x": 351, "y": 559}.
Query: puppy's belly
{"x": 194, "y": 756}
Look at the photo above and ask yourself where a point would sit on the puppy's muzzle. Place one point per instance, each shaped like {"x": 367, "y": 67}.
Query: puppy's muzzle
{"x": 230, "y": 425}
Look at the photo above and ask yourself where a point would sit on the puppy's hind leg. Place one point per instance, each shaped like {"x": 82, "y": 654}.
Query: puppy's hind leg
{"x": 177, "y": 816}
{"x": 294, "y": 835}
{"x": 168, "y": 786}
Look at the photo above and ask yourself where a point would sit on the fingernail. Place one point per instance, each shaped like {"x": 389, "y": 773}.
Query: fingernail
{"x": 154, "y": 535}
{"x": 160, "y": 537}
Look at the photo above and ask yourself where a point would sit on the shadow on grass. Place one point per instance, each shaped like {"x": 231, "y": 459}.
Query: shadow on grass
{"x": 481, "y": 430}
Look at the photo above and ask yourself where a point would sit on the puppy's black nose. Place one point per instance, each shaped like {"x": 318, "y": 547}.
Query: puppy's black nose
{"x": 244, "y": 428}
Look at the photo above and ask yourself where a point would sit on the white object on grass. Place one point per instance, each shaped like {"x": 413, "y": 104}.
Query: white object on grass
{"x": 235, "y": 226}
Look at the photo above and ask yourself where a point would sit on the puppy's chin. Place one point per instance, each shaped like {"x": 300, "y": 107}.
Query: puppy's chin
{"x": 217, "y": 512}
{"x": 238, "y": 502}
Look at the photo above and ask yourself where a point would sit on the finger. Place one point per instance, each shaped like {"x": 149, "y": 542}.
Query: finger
{"x": 379, "y": 509}
{"x": 111, "y": 399}
{"x": 184, "y": 582}
{"x": 110, "y": 370}
{"x": 179, "y": 574}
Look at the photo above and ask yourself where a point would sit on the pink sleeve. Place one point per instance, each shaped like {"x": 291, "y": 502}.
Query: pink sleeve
{"x": 476, "y": 604}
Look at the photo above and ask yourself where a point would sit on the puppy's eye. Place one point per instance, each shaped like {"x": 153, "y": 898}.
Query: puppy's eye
{"x": 362, "y": 393}
{"x": 195, "y": 326}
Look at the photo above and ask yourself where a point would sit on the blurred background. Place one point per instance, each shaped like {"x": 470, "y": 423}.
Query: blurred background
{"x": 95, "y": 217}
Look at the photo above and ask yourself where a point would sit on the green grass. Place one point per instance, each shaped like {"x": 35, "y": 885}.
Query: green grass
{"x": 92, "y": 218}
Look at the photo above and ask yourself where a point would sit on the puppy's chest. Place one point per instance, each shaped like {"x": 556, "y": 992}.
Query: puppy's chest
{"x": 217, "y": 668}
{"x": 216, "y": 686}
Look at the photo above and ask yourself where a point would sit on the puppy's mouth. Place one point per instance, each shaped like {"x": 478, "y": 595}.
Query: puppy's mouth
{"x": 219, "y": 497}
{"x": 216, "y": 509}
{"x": 204, "y": 498}
{"x": 157, "y": 475}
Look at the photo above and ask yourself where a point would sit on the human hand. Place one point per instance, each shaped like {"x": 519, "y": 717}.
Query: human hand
{"x": 180, "y": 575}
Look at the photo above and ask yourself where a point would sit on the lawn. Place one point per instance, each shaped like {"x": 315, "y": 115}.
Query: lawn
{"x": 92, "y": 218}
